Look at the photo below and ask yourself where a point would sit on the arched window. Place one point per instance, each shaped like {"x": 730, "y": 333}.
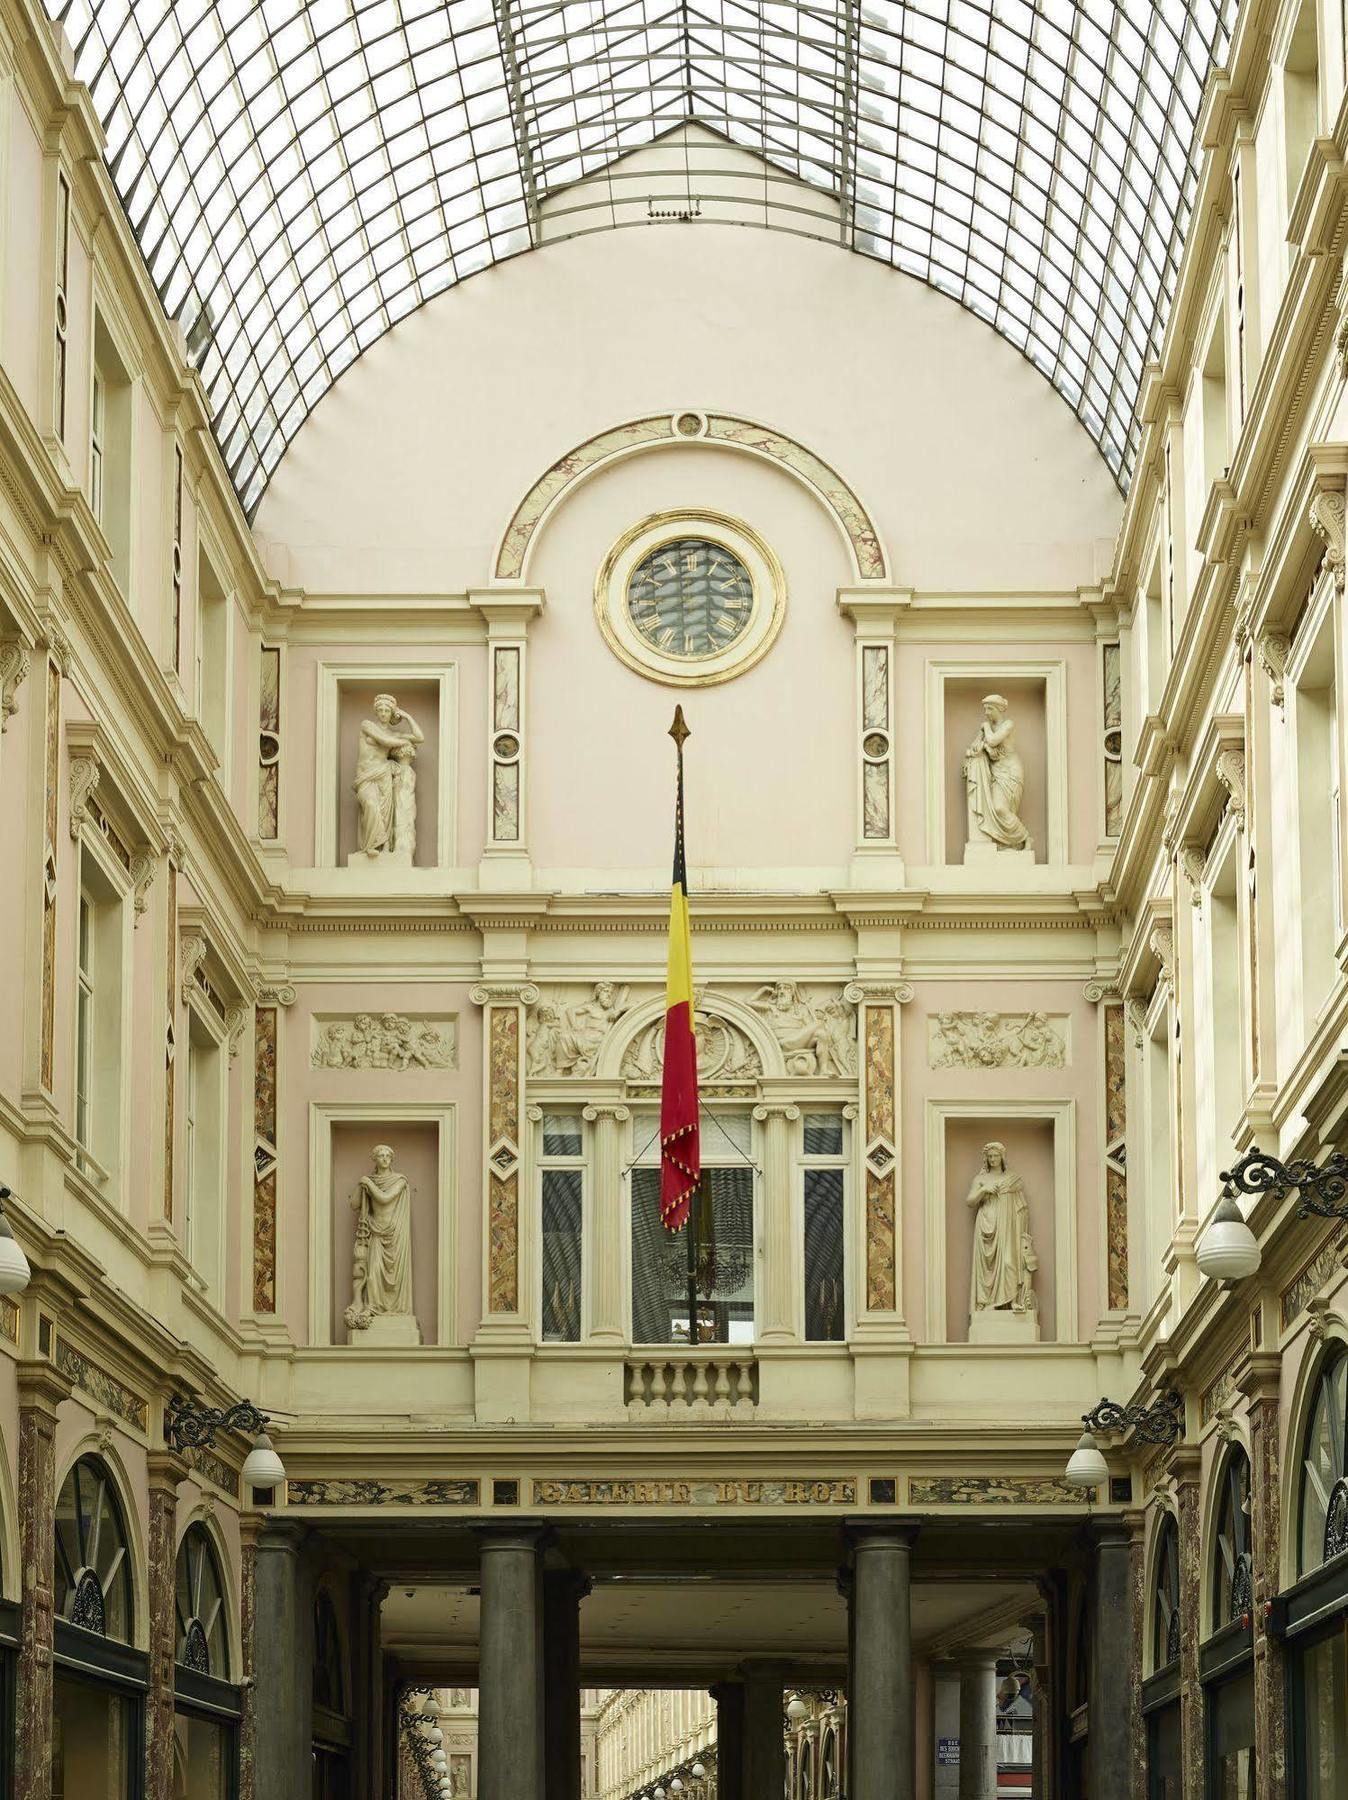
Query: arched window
{"x": 1323, "y": 1528}
{"x": 93, "y": 1564}
{"x": 1165, "y": 1611}
{"x": 828, "y": 1766}
{"x": 329, "y": 1684}
{"x": 200, "y": 1594}
{"x": 1232, "y": 1581}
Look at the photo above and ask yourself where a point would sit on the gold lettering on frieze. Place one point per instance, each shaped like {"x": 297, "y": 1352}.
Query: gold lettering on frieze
{"x": 818, "y": 1491}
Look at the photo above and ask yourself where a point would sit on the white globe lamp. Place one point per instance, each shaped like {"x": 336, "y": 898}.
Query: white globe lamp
{"x": 262, "y": 1467}
{"x": 1086, "y": 1467}
{"x": 1228, "y": 1249}
{"x": 14, "y": 1269}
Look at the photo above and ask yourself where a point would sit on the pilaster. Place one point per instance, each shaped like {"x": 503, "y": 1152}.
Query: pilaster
{"x": 1185, "y": 1466}
{"x": 166, "y": 1469}
{"x": 505, "y": 864}
{"x": 1260, "y": 1380}
{"x": 41, "y": 1391}
{"x": 603, "y": 1223}
{"x": 777, "y": 1324}
{"x": 874, "y": 614}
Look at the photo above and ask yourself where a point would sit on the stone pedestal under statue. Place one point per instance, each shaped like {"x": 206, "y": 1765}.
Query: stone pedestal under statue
{"x": 375, "y": 860}
{"x": 1000, "y": 1325}
{"x": 985, "y": 855}
{"x": 389, "y": 1328}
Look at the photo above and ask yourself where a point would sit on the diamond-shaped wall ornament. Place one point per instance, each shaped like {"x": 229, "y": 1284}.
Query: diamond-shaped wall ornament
{"x": 504, "y": 1158}
{"x": 880, "y": 1157}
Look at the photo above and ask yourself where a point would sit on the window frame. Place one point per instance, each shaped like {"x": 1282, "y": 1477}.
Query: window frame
{"x": 546, "y": 1163}
{"x": 808, "y": 1163}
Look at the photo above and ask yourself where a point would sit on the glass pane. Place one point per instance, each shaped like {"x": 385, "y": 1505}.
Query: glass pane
{"x": 824, "y": 1292}
{"x": 723, "y": 1249}
{"x": 561, "y": 1134}
{"x": 91, "y": 1742}
{"x": 823, "y": 1134}
{"x": 1163, "y": 1755}
{"x": 202, "y": 1763}
{"x": 1322, "y": 1671}
{"x": 1322, "y": 1463}
{"x": 561, "y": 1254}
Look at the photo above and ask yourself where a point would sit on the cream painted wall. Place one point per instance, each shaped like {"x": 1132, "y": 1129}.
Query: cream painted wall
{"x": 405, "y": 475}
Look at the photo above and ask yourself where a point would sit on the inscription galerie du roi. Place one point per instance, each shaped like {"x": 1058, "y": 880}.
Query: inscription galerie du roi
{"x": 695, "y": 1493}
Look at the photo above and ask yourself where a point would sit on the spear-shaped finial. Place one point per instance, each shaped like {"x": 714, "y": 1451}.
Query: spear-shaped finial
{"x": 679, "y": 729}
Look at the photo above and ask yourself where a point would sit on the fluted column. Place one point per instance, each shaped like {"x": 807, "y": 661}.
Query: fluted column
{"x": 776, "y": 1305}
{"x": 41, "y": 1391}
{"x": 166, "y": 1470}
{"x": 880, "y": 1677}
{"x": 978, "y": 1725}
{"x": 604, "y": 1224}
{"x": 510, "y": 1666}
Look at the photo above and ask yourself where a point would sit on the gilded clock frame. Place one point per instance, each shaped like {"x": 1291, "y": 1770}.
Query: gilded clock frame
{"x": 652, "y": 533}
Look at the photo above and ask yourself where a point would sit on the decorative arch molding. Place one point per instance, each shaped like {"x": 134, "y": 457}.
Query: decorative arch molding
{"x": 658, "y": 431}
{"x": 626, "y": 1034}
{"x": 1330, "y": 1339}
{"x": 1234, "y": 1442}
{"x": 204, "y": 1515}
{"x": 100, "y": 1444}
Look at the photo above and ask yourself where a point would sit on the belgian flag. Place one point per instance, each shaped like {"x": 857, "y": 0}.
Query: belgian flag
{"x": 680, "y": 1147}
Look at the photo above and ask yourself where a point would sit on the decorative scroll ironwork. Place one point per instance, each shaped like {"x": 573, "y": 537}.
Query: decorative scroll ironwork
{"x": 1160, "y": 1423}
{"x": 1322, "y": 1187}
{"x": 1242, "y": 1587}
{"x": 188, "y": 1425}
{"x": 87, "y": 1609}
{"x": 196, "y": 1655}
{"x": 1336, "y": 1519}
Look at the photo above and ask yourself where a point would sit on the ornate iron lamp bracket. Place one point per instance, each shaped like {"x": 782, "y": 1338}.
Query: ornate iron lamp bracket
{"x": 1160, "y": 1423}
{"x": 188, "y": 1425}
{"x": 1322, "y": 1188}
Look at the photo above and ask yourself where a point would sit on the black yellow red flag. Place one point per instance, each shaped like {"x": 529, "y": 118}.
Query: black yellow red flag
{"x": 680, "y": 1144}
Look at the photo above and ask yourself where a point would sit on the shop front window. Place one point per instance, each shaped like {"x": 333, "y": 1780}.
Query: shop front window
{"x": 1231, "y": 1729}
{"x": 95, "y": 1740}
{"x": 1322, "y": 1699}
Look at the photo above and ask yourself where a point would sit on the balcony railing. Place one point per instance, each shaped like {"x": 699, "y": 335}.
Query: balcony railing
{"x": 715, "y": 1381}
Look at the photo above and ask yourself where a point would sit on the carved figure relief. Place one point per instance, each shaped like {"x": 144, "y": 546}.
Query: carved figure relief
{"x": 386, "y": 785}
{"x": 384, "y": 1041}
{"x": 815, "y": 1039}
{"x": 565, "y": 1040}
{"x": 994, "y": 780}
{"x": 1004, "y": 1262}
{"x": 988, "y": 1040}
{"x": 381, "y": 1274}
{"x": 724, "y": 1054}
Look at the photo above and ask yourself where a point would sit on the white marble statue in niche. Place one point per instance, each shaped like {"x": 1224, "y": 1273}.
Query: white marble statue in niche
{"x": 386, "y": 785}
{"x": 381, "y": 1272}
{"x": 1003, "y": 1306}
{"x": 994, "y": 782}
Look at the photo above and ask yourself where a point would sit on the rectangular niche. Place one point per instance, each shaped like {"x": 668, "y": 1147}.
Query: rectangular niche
{"x": 1039, "y": 1138}
{"x": 346, "y": 695}
{"x": 341, "y": 1142}
{"x": 1034, "y": 693}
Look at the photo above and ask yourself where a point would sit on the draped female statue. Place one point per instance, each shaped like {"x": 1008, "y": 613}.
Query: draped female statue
{"x": 381, "y": 1283}
{"x": 994, "y": 781}
{"x": 1004, "y": 1262}
{"x": 386, "y": 781}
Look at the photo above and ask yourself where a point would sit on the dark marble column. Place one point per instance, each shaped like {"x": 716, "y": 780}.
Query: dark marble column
{"x": 510, "y": 1665}
{"x": 250, "y": 1529}
{"x": 367, "y": 1744}
{"x": 1260, "y": 1380}
{"x": 729, "y": 1698}
{"x": 879, "y": 1676}
{"x": 1114, "y": 1631}
{"x": 166, "y": 1470}
{"x": 1186, "y": 1467}
{"x": 764, "y": 1737}
{"x": 41, "y": 1391}
{"x": 563, "y": 1591}
{"x": 283, "y": 1659}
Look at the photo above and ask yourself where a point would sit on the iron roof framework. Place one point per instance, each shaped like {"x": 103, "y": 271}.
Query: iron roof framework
{"x": 301, "y": 174}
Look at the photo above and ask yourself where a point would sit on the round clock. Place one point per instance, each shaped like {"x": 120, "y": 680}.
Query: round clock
{"x": 690, "y": 598}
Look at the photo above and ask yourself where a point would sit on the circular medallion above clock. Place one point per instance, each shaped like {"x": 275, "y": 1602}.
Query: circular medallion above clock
{"x": 690, "y": 598}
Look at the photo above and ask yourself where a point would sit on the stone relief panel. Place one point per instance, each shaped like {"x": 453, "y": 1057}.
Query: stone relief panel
{"x": 565, "y": 1036}
{"x": 817, "y": 1036}
{"x": 725, "y": 1055}
{"x": 988, "y": 1040}
{"x": 385, "y": 1041}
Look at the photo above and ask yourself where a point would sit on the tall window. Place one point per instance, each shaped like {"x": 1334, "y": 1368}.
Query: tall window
{"x": 93, "y": 1570}
{"x": 721, "y": 1245}
{"x": 200, "y": 1601}
{"x": 84, "y": 1026}
{"x": 212, "y": 654}
{"x": 204, "y": 1153}
{"x": 61, "y": 315}
{"x": 1232, "y": 1582}
{"x": 1165, "y": 1613}
{"x": 1323, "y": 1524}
{"x": 825, "y": 1289}
{"x": 98, "y": 425}
{"x": 562, "y": 1182}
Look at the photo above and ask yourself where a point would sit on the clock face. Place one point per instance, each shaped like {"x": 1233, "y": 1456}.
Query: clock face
{"x": 690, "y": 598}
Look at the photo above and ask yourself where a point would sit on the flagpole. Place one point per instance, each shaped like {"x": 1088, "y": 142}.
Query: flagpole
{"x": 680, "y": 733}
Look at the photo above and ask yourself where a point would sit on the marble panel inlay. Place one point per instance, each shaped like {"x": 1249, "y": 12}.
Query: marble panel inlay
{"x": 994, "y": 1490}
{"x": 881, "y": 1266}
{"x": 392, "y": 1492}
{"x": 1116, "y": 1157}
{"x": 9, "y": 1318}
{"x": 264, "y": 1159}
{"x": 100, "y": 1386}
{"x": 217, "y": 1472}
{"x": 170, "y": 1038}
{"x": 503, "y": 1136}
{"x": 53, "y": 778}
{"x": 269, "y": 743}
{"x": 1303, "y": 1288}
{"x": 1113, "y": 740}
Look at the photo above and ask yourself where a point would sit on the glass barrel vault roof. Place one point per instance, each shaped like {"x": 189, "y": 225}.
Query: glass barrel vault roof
{"x": 302, "y": 175}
